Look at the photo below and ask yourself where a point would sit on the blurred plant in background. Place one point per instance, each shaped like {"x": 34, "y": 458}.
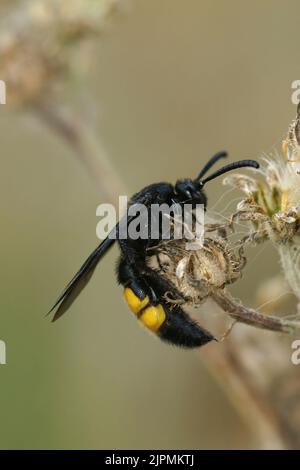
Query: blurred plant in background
{"x": 38, "y": 67}
{"x": 34, "y": 64}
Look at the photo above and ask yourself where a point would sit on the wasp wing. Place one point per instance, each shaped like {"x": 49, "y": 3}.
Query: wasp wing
{"x": 81, "y": 278}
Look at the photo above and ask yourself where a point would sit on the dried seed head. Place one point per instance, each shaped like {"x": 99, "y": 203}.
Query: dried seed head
{"x": 273, "y": 201}
{"x": 198, "y": 273}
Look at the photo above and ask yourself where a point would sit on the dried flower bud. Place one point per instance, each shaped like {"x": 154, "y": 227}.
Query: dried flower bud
{"x": 197, "y": 273}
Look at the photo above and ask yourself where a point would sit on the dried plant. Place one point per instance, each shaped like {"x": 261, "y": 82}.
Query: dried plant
{"x": 272, "y": 204}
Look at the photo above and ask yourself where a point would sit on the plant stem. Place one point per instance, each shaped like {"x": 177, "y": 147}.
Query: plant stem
{"x": 251, "y": 317}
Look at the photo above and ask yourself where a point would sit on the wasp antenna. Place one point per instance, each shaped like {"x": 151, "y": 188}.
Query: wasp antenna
{"x": 230, "y": 167}
{"x": 211, "y": 162}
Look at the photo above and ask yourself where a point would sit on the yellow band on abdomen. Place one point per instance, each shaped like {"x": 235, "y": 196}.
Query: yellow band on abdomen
{"x": 135, "y": 304}
{"x": 152, "y": 317}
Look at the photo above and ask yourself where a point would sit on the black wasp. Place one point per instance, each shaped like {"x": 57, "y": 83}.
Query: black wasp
{"x": 144, "y": 287}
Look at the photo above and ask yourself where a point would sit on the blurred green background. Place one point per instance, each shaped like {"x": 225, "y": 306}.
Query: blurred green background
{"x": 172, "y": 83}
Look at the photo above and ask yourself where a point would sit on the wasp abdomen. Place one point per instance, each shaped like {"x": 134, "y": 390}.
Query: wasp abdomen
{"x": 152, "y": 316}
{"x": 179, "y": 329}
{"x": 172, "y": 325}
{"x": 133, "y": 301}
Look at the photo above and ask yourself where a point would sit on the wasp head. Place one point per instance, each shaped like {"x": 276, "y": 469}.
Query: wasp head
{"x": 189, "y": 191}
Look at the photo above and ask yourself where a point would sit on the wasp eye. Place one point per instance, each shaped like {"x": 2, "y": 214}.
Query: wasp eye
{"x": 185, "y": 189}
